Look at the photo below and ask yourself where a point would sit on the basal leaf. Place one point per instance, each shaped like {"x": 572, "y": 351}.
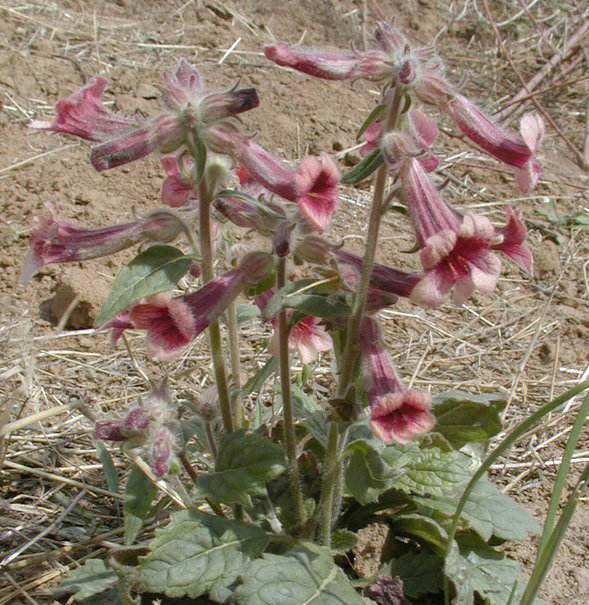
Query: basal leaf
{"x": 421, "y": 572}
{"x": 365, "y": 473}
{"x": 477, "y": 568}
{"x": 363, "y": 169}
{"x": 154, "y": 270}
{"x": 246, "y": 461}
{"x": 139, "y": 495}
{"x": 463, "y": 417}
{"x": 343, "y": 540}
{"x": 304, "y": 576}
{"x": 488, "y": 511}
{"x": 87, "y": 582}
{"x": 199, "y": 554}
{"x": 422, "y": 527}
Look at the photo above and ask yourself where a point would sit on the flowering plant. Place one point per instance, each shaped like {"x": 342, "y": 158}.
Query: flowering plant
{"x": 272, "y": 509}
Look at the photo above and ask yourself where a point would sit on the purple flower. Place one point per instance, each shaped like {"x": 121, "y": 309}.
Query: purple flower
{"x": 56, "y": 241}
{"x": 307, "y": 337}
{"x": 517, "y": 151}
{"x": 173, "y": 323}
{"x": 457, "y": 252}
{"x": 162, "y": 451}
{"x": 396, "y": 413}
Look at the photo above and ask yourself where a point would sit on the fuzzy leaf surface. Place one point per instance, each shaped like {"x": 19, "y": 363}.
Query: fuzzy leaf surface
{"x": 421, "y": 572}
{"x": 154, "y": 270}
{"x": 92, "y": 579}
{"x": 305, "y": 576}
{"x": 464, "y": 417}
{"x": 477, "y": 568}
{"x": 198, "y": 554}
{"x": 139, "y": 495}
{"x": 365, "y": 473}
{"x": 246, "y": 461}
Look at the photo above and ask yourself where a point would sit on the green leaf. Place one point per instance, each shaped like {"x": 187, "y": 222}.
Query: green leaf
{"x": 139, "y": 495}
{"x": 463, "y": 417}
{"x": 477, "y": 568}
{"x": 197, "y": 554}
{"x": 363, "y": 169}
{"x": 435, "y": 480}
{"x": 304, "y": 576}
{"x": 343, "y": 540}
{"x": 320, "y": 305}
{"x": 246, "y": 461}
{"x": 246, "y": 312}
{"x": 110, "y": 472}
{"x": 365, "y": 473}
{"x": 488, "y": 511}
{"x": 311, "y": 413}
{"x": 92, "y": 579}
{"x": 421, "y": 573}
{"x": 376, "y": 114}
{"x": 154, "y": 270}
{"x": 422, "y": 527}
{"x": 256, "y": 382}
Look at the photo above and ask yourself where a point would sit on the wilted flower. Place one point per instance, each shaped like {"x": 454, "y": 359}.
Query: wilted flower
{"x": 514, "y": 150}
{"x": 56, "y": 241}
{"x": 457, "y": 252}
{"x": 173, "y": 323}
{"x": 396, "y": 413}
{"x": 162, "y": 451}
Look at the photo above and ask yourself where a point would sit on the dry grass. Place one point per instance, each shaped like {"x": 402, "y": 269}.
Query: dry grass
{"x": 528, "y": 342}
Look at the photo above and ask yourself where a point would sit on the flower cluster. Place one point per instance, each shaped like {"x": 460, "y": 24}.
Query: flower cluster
{"x": 149, "y": 427}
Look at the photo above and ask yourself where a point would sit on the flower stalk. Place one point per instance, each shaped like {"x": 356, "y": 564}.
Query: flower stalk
{"x": 287, "y": 411}
{"x": 206, "y": 247}
{"x": 332, "y": 462}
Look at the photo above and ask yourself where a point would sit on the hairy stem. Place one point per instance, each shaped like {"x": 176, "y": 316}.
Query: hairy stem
{"x": 332, "y": 471}
{"x": 287, "y": 411}
{"x": 233, "y": 331}
{"x": 206, "y": 248}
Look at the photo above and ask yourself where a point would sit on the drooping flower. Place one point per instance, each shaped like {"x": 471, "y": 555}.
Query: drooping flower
{"x": 192, "y": 109}
{"x": 83, "y": 115}
{"x": 56, "y": 241}
{"x": 396, "y": 413}
{"x": 173, "y": 323}
{"x": 457, "y": 252}
{"x": 312, "y": 185}
{"x": 162, "y": 451}
{"x": 517, "y": 151}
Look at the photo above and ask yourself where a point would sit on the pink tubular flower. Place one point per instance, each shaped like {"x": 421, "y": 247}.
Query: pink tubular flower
{"x": 328, "y": 64}
{"x": 517, "y": 151}
{"x": 457, "y": 251}
{"x": 191, "y": 109}
{"x": 177, "y": 189}
{"x": 312, "y": 186}
{"x": 82, "y": 115}
{"x": 55, "y": 241}
{"x": 307, "y": 337}
{"x": 173, "y": 323}
{"x": 396, "y": 413}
